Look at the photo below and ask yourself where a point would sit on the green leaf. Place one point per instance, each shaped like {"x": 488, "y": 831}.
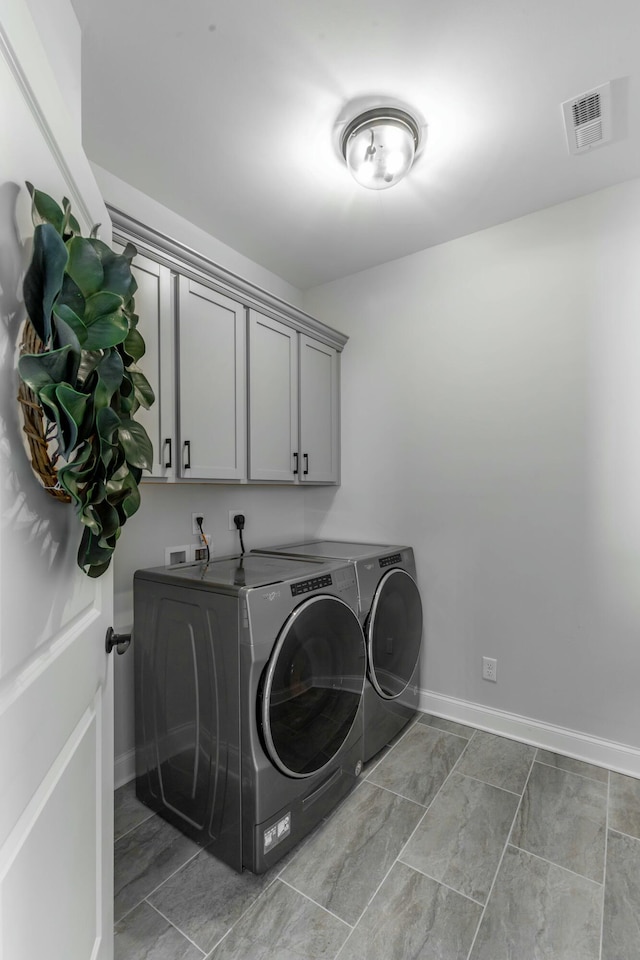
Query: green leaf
{"x": 71, "y": 296}
{"x": 134, "y": 345}
{"x": 92, "y": 558}
{"x": 106, "y": 323}
{"x": 68, "y": 408}
{"x": 72, "y": 474}
{"x": 88, "y": 363}
{"x": 84, "y": 267}
{"x": 44, "y": 209}
{"x": 143, "y": 390}
{"x": 117, "y": 270}
{"x": 70, "y": 225}
{"x": 137, "y": 446}
{"x": 43, "y": 279}
{"x": 68, "y": 328}
{"x": 109, "y": 371}
{"x": 129, "y": 500}
{"x": 106, "y": 331}
{"x": 107, "y": 422}
{"x": 101, "y": 304}
{"x": 40, "y": 370}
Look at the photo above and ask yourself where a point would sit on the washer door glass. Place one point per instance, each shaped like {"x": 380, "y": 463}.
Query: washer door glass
{"x": 394, "y": 633}
{"x": 313, "y": 686}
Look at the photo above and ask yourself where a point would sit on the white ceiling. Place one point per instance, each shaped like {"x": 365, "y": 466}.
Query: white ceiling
{"x": 223, "y": 110}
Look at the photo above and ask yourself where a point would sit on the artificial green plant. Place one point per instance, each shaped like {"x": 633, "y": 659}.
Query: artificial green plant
{"x": 79, "y": 296}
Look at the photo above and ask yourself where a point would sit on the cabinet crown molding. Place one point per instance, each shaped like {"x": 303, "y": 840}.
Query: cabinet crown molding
{"x": 177, "y": 256}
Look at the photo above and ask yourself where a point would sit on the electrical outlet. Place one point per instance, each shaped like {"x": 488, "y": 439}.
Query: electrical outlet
{"x": 195, "y": 529}
{"x": 490, "y": 669}
{"x": 173, "y": 555}
{"x": 233, "y": 513}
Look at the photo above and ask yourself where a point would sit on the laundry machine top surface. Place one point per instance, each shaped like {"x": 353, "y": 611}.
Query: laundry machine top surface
{"x": 237, "y": 572}
{"x": 333, "y": 549}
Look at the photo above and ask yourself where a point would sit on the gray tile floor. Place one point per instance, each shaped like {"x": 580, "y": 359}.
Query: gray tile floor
{"x": 455, "y": 845}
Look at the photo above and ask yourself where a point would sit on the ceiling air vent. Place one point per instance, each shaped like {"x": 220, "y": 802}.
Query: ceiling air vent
{"x": 587, "y": 119}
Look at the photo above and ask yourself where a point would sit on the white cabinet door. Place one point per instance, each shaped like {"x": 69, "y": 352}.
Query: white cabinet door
{"x": 153, "y": 306}
{"x": 56, "y": 693}
{"x": 319, "y": 399}
{"x": 211, "y": 384}
{"x": 273, "y": 399}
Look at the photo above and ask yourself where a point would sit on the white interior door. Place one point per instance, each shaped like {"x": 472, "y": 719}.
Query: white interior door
{"x": 56, "y": 742}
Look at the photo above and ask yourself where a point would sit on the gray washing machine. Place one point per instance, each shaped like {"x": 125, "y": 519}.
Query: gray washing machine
{"x": 249, "y": 678}
{"x": 390, "y": 611}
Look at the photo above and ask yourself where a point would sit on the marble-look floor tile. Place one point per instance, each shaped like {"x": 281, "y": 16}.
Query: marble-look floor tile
{"x": 462, "y": 836}
{"x": 145, "y": 935}
{"x": 342, "y": 864}
{"x": 146, "y": 857}
{"x": 283, "y": 925}
{"x": 412, "y": 917}
{"x": 496, "y": 760}
{"x": 417, "y": 767}
{"x": 621, "y": 925}
{"x": 562, "y": 818}
{"x": 539, "y": 911}
{"x": 206, "y": 897}
{"x": 128, "y": 811}
{"x": 589, "y": 770}
{"x": 624, "y": 804}
{"x": 449, "y": 726}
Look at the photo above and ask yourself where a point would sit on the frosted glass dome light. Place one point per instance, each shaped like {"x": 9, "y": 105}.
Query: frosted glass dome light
{"x": 379, "y": 146}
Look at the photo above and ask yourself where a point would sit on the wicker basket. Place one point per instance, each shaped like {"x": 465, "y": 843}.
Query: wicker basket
{"x": 39, "y": 431}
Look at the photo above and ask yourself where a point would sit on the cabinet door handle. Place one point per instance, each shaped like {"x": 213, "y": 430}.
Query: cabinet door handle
{"x": 305, "y": 457}
{"x": 295, "y": 457}
{"x": 187, "y": 450}
{"x": 167, "y": 443}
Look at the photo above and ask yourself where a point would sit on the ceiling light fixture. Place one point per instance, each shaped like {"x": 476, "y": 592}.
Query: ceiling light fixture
{"x": 379, "y": 146}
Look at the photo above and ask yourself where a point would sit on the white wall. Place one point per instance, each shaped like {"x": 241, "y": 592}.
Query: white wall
{"x": 153, "y": 214}
{"x": 59, "y": 31}
{"x": 491, "y": 418}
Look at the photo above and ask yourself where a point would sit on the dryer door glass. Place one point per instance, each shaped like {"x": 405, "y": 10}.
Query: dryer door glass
{"x": 394, "y": 633}
{"x": 312, "y": 686}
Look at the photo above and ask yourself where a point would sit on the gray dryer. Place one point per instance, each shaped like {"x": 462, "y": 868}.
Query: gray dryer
{"x": 390, "y": 611}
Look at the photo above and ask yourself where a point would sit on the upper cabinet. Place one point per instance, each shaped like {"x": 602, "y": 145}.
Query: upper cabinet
{"x": 247, "y": 387}
{"x": 319, "y": 400}
{"x": 211, "y": 384}
{"x": 293, "y": 404}
{"x": 273, "y": 400}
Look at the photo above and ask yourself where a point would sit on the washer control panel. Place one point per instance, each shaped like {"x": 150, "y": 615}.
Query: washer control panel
{"x": 389, "y": 561}
{"x": 307, "y": 586}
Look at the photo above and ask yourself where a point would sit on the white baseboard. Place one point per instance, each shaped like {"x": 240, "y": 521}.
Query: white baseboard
{"x": 124, "y": 768}
{"x": 580, "y": 746}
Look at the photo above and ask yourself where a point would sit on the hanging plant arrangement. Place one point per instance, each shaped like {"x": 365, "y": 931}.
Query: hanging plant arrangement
{"x": 81, "y": 384}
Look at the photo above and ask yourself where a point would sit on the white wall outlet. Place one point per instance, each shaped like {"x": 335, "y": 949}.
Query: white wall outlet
{"x": 195, "y": 529}
{"x": 182, "y": 554}
{"x": 233, "y": 513}
{"x": 490, "y": 669}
